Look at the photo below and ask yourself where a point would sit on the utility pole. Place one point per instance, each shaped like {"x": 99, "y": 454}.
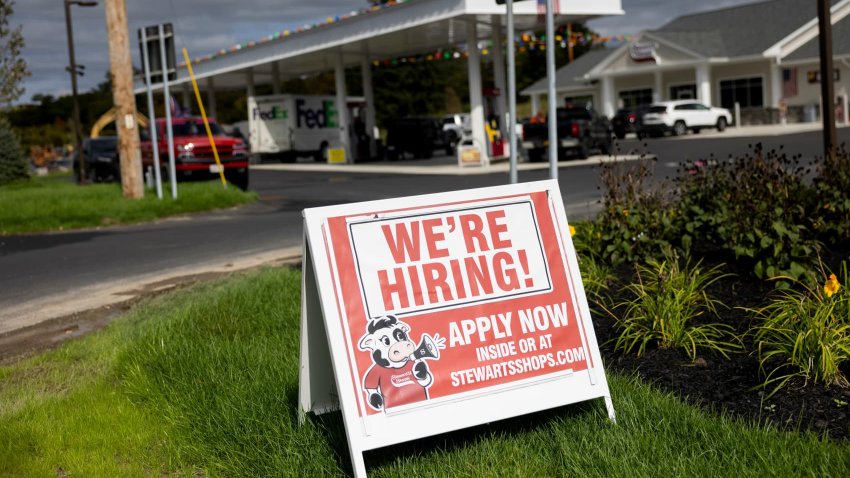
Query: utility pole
{"x": 75, "y": 70}
{"x": 125, "y": 101}
{"x": 826, "y": 78}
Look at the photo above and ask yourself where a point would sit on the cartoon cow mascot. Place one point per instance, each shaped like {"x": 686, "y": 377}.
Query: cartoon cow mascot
{"x": 399, "y": 374}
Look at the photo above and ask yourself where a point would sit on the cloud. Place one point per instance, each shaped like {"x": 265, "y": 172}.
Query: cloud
{"x": 201, "y": 26}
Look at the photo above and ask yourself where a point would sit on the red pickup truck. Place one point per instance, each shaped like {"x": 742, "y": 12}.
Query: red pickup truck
{"x": 193, "y": 155}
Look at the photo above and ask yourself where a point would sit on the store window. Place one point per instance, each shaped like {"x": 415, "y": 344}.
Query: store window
{"x": 632, "y": 98}
{"x": 683, "y": 92}
{"x": 746, "y": 91}
{"x": 584, "y": 101}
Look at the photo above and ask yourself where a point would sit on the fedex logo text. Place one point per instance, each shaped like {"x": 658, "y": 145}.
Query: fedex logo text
{"x": 325, "y": 117}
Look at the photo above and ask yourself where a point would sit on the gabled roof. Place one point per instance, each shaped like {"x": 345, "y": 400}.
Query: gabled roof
{"x": 840, "y": 43}
{"x": 739, "y": 31}
{"x": 570, "y": 75}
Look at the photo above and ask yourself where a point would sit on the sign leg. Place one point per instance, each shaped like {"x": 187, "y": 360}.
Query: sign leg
{"x": 304, "y": 375}
{"x": 358, "y": 464}
{"x": 610, "y": 406}
{"x": 304, "y": 398}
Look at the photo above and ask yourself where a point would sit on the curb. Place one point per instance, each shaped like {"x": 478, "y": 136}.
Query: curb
{"x": 443, "y": 169}
{"x": 46, "y": 322}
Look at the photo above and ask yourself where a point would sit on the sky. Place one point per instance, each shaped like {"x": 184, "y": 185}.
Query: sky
{"x": 205, "y": 26}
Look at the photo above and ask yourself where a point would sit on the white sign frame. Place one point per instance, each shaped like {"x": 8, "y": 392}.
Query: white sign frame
{"x": 326, "y": 359}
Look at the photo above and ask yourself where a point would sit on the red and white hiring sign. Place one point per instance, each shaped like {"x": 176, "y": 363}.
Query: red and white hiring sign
{"x": 443, "y": 311}
{"x": 420, "y": 261}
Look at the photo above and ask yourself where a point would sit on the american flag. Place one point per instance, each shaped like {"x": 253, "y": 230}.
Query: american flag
{"x": 789, "y": 82}
{"x": 176, "y": 110}
{"x": 541, "y": 9}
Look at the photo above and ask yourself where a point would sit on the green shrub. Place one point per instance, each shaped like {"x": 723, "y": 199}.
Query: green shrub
{"x": 664, "y": 303}
{"x": 13, "y": 163}
{"x": 585, "y": 235}
{"x": 805, "y": 333}
{"x": 755, "y": 207}
{"x": 596, "y": 275}
{"x": 636, "y": 222}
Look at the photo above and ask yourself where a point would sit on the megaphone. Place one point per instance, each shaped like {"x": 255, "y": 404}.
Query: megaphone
{"x": 427, "y": 349}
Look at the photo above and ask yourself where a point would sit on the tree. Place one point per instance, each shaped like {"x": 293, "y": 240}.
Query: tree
{"x": 13, "y": 68}
{"x": 13, "y": 164}
{"x": 419, "y": 89}
{"x": 531, "y": 62}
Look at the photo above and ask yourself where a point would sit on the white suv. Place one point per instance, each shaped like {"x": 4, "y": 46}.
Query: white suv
{"x": 680, "y": 116}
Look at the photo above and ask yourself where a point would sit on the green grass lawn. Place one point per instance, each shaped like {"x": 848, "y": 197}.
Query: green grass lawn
{"x": 56, "y": 203}
{"x": 203, "y": 382}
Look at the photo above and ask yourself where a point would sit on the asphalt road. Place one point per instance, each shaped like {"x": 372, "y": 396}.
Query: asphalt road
{"x": 672, "y": 151}
{"x": 36, "y": 266}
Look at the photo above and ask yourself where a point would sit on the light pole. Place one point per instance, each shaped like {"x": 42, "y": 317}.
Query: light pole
{"x": 75, "y": 70}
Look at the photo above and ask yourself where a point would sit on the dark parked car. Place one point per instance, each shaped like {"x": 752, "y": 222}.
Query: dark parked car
{"x": 579, "y": 131}
{"x": 418, "y": 137}
{"x": 101, "y": 159}
{"x": 628, "y": 120}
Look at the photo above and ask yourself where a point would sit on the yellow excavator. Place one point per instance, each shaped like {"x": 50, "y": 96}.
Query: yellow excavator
{"x": 109, "y": 117}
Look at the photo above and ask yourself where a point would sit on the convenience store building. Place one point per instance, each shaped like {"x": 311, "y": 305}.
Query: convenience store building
{"x": 762, "y": 56}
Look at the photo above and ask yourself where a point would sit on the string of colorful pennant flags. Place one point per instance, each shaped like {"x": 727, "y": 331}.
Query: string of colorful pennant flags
{"x": 303, "y": 28}
{"x": 525, "y": 42}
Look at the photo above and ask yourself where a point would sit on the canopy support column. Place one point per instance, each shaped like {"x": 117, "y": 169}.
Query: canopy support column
{"x": 275, "y": 78}
{"x": 368, "y": 93}
{"x": 210, "y": 106}
{"x": 341, "y": 106}
{"x": 476, "y": 103}
{"x": 499, "y": 73}
{"x": 249, "y": 83}
{"x": 187, "y": 98}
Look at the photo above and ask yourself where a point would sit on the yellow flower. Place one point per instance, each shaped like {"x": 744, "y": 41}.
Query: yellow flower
{"x": 831, "y": 286}
{"x": 572, "y": 230}
{"x": 626, "y": 212}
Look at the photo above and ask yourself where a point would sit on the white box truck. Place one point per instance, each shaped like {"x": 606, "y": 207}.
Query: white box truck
{"x": 286, "y": 127}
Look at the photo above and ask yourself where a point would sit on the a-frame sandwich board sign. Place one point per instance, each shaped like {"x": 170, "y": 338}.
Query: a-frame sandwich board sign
{"x": 427, "y": 314}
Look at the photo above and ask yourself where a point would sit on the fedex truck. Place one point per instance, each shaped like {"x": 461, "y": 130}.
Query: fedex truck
{"x": 287, "y": 127}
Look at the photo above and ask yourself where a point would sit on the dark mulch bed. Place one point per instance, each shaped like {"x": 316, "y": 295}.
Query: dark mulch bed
{"x": 733, "y": 385}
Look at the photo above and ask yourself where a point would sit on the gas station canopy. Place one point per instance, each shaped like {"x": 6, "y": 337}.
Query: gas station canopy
{"x": 390, "y": 31}
{"x": 398, "y": 30}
